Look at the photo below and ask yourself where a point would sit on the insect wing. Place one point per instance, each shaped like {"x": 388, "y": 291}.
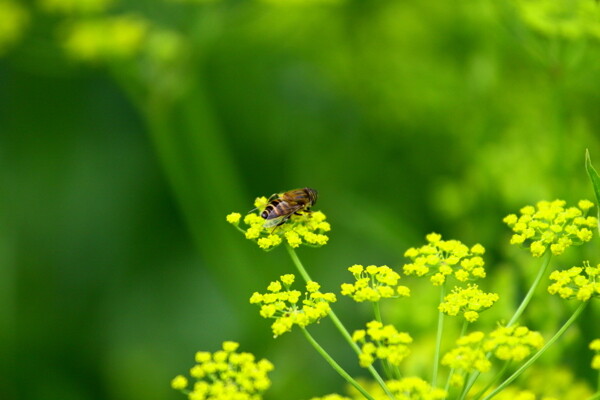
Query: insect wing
{"x": 276, "y": 221}
{"x": 282, "y": 218}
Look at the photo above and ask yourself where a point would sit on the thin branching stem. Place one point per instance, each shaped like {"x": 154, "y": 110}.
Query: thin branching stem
{"x": 524, "y": 303}
{"x": 537, "y": 355}
{"x": 335, "y": 365}
{"x": 463, "y": 330}
{"x": 541, "y": 273}
{"x": 438, "y": 340}
{"x": 338, "y": 324}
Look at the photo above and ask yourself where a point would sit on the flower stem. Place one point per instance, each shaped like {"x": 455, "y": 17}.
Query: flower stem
{"x": 534, "y": 285}
{"x": 377, "y": 311}
{"x": 335, "y": 365}
{"x": 462, "y": 333}
{"x": 537, "y": 355}
{"x": 438, "y": 340}
{"x": 338, "y": 324}
{"x": 493, "y": 381}
{"x": 384, "y": 364}
{"x": 524, "y": 303}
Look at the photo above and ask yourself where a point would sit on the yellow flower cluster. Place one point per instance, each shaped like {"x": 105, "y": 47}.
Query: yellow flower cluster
{"x": 407, "y": 388}
{"x": 414, "y": 388}
{"x": 576, "y": 283}
{"x": 116, "y": 37}
{"x": 287, "y": 307}
{"x": 331, "y": 397}
{"x": 513, "y": 342}
{"x": 441, "y": 258}
{"x": 13, "y": 19}
{"x": 468, "y": 356}
{"x": 75, "y": 6}
{"x": 551, "y": 225}
{"x": 373, "y": 283}
{"x": 308, "y": 228}
{"x": 469, "y": 301}
{"x": 569, "y": 19}
{"x": 595, "y": 345}
{"x": 518, "y": 394}
{"x": 382, "y": 342}
{"x": 226, "y": 375}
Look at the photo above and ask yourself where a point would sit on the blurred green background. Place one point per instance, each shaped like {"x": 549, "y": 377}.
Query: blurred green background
{"x": 129, "y": 129}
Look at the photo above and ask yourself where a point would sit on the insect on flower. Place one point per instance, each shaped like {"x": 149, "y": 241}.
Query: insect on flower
{"x": 282, "y": 206}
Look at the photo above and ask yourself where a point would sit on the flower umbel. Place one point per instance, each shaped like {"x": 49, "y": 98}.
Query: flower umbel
{"x": 550, "y": 225}
{"x": 287, "y": 307}
{"x": 441, "y": 258}
{"x": 415, "y": 388}
{"x": 226, "y": 374}
{"x": 579, "y": 283}
{"x": 513, "y": 342}
{"x": 308, "y": 228}
{"x": 469, "y": 302}
{"x": 373, "y": 283}
{"x": 407, "y": 388}
{"x": 468, "y": 356}
{"x": 382, "y": 342}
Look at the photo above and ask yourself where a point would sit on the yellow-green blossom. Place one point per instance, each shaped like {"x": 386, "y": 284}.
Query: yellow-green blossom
{"x": 469, "y": 355}
{"x": 118, "y": 37}
{"x": 234, "y": 218}
{"x": 373, "y": 283}
{"x": 511, "y": 393}
{"x": 414, "y": 388}
{"x": 226, "y": 374}
{"x": 513, "y": 342}
{"x": 179, "y": 382}
{"x": 75, "y": 6}
{"x": 407, "y": 388}
{"x": 579, "y": 283}
{"x": 13, "y": 19}
{"x": 331, "y": 397}
{"x": 440, "y": 258}
{"x": 308, "y": 228}
{"x": 568, "y": 19}
{"x": 469, "y": 302}
{"x": 595, "y": 346}
{"x": 287, "y": 306}
{"x": 551, "y": 226}
{"x": 381, "y": 342}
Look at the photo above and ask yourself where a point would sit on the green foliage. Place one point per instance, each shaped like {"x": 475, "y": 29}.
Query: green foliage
{"x": 129, "y": 128}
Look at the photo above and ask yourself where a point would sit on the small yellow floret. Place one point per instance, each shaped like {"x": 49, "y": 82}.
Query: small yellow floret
{"x": 179, "y": 382}
{"x": 234, "y": 218}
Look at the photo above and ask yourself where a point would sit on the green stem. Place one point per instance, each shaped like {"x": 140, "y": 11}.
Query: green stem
{"x": 493, "y": 381}
{"x": 335, "y": 365}
{"x": 297, "y": 263}
{"x": 377, "y": 311}
{"x": 384, "y": 364}
{"x": 542, "y": 271}
{"x": 338, "y": 324}
{"x": 463, "y": 330}
{"x": 438, "y": 340}
{"x": 524, "y": 303}
{"x": 537, "y": 355}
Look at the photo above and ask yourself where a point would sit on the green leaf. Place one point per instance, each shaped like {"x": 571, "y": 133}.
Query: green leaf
{"x": 595, "y": 178}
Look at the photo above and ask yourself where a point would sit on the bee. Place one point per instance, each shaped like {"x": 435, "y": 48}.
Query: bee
{"x": 281, "y": 207}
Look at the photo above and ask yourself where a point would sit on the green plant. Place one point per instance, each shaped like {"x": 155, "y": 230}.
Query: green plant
{"x": 496, "y": 357}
